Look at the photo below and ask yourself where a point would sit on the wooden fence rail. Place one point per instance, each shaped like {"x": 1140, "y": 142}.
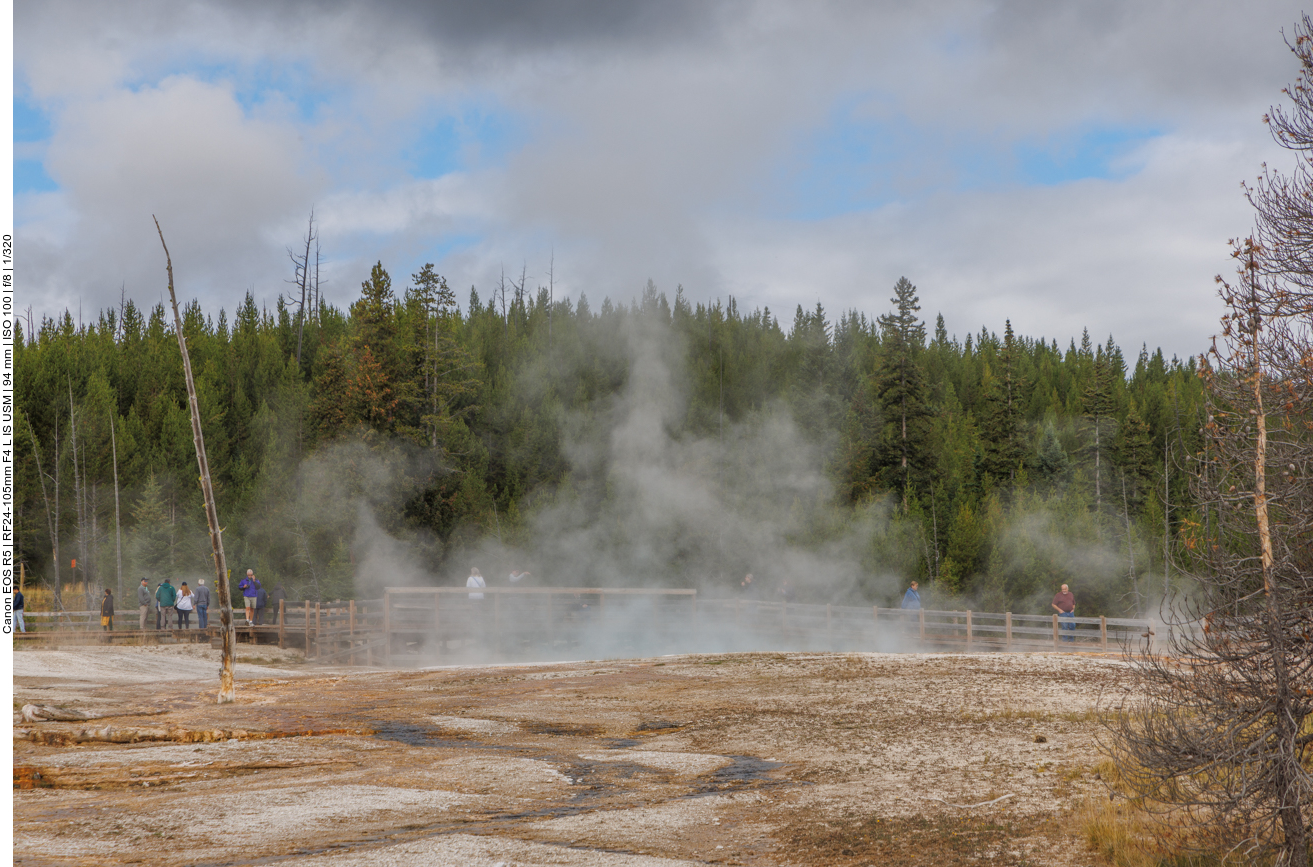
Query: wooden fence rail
{"x": 459, "y": 623}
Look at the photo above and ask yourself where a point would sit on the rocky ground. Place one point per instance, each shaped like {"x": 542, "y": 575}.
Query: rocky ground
{"x": 752, "y": 759}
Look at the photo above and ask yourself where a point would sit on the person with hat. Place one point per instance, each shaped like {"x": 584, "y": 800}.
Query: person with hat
{"x": 202, "y": 604}
{"x": 143, "y": 604}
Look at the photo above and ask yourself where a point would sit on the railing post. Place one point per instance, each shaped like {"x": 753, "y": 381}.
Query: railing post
{"x": 282, "y": 604}
{"x": 307, "y": 629}
{"x": 920, "y": 619}
{"x": 1103, "y": 632}
{"x": 351, "y": 633}
{"x": 317, "y": 628}
{"x": 437, "y": 620}
{"x": 829, "y": 630}
{"x": 551, "y": 618}
{"x": 1055, "y": 632}
{"x": 875, "y": 619}
{"x": 968, "y": 631}
{"x": 1007, "y": 627}
{"x": 387, "y": 627}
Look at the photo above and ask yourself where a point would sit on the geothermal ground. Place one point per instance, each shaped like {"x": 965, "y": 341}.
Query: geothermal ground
{"x": 753, "y": 759}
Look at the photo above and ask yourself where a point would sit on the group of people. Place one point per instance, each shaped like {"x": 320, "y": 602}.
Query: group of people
{"x": 173, "y": 605}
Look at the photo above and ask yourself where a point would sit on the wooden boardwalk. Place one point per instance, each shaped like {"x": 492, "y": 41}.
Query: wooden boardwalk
{"x": 435, "y": 625}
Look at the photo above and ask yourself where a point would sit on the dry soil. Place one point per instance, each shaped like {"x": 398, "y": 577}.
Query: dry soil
{"x": 753, "y": 759}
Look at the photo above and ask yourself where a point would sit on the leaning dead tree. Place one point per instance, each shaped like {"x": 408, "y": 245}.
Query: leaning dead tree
{"x": 227, "y": 689}
{"x": 1220, "y": 738}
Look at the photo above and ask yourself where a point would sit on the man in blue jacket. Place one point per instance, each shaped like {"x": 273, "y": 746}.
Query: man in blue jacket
{"x": 911, "y": 599}
{"x": 250, "y": 587}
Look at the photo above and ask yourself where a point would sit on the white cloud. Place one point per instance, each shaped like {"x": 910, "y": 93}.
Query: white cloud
{"x": 659, "y": 146}
{"x": 185, "y": 153}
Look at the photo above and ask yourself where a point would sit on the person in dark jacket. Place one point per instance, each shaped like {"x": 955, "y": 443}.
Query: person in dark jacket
{"x": 278, "y": 599}
{"x": 18, "y": 611}
{"x": 107, "y": 611}
{"x": 202, "y": 604}
{"x": 166, "y": 596}
{"x": 143, "y": 604}
{"x": 261, "y": 600}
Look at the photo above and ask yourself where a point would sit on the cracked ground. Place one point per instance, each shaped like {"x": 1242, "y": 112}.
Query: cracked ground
{"x": 750, "y": 759}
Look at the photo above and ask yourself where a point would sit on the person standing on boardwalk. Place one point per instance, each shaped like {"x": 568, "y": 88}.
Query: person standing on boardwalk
{"x": 166, "y": 596}
{"x": 278, "y": 598}
{"x": 475, "y": 580}
{"x": 143, "y": 604}
{"x": 261, "y": 600}
{"x": 1064, "y": 602}
{"x": 911, "y": 599}
{"x": 107, "y": 611}
{"x": 202, "y": 604}
{"x": 250, "y": 588}
{"x": 186, "y": 602}
{"x": 18, "y": 611}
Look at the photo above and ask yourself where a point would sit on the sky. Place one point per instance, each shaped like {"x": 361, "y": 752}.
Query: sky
{"x": 1062, "y": 165}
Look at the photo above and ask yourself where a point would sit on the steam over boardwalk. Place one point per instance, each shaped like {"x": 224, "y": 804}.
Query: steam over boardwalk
{"x": 765, "y": 759}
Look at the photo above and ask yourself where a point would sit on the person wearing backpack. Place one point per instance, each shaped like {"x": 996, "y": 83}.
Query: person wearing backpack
{"x": 261, "y": 600}
{"x": 166, "y": 596}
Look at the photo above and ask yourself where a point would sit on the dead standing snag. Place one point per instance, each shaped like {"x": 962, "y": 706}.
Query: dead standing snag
{"x": 1221, "y": 737}
{"x": 227, "y": 690}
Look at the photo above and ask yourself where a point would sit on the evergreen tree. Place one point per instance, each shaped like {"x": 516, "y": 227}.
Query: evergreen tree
{"x": 900, "y": 387}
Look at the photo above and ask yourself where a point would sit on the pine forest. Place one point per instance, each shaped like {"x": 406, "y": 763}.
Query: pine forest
{"x": 668, "y": 442}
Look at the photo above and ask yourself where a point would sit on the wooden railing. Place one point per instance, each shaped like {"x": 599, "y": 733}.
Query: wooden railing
{"x": 547, "y": 622}
{"x": 893, "y": 628}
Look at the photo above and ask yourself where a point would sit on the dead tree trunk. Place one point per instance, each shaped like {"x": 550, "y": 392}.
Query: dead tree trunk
{"x": 227, "y": 689}
{"x": 79, "y": 502}
{"x": 52, "y": 515}
{"x": 301, "y": 277}
{"x": 118, "y": 530}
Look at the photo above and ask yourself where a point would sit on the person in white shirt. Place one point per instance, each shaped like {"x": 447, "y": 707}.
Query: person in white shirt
{"x": 185, "y": 605}
{"x": 475, "y": 580}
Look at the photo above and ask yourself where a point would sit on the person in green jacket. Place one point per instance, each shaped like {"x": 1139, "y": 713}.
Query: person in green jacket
{"x": 166, "y": 596}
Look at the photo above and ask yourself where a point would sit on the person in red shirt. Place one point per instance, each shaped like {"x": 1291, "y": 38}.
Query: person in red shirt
{"x": 1064, "y": 602}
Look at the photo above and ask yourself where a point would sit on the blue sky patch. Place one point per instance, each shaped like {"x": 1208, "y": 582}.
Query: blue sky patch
{"x": 1080, "y": 155}
{"x": 464, "y": 139}
{"x": 31, "y": 128}
{"x": 31, "y": 123}
{"x": 861, "y": 160}
{"x": 30, "y": 177}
